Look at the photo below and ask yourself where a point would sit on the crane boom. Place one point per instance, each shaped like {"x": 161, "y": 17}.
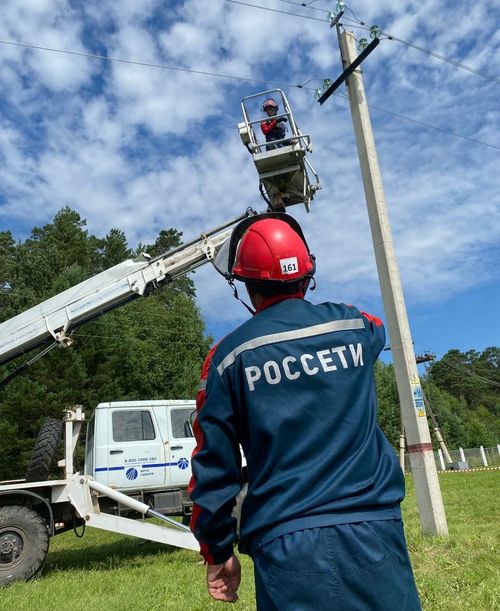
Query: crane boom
{"x": 57, "y": 316}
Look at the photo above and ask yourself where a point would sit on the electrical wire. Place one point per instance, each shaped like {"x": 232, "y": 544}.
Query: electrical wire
{"x": 443, "y": 58}
{"x": 148, "y": 64}
{"x": 123, "y": 338}
{"x": 470, "y": 373}
{"x": 275, "y": 10}
{"x": 107, "y": 323}
{"x": 364, "y": 26}
{"x": 325, "y": 11}
{"x": 423, "y": 124}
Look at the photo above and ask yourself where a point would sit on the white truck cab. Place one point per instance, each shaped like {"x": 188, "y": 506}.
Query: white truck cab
{"x": 141, "y": 444}
{"x": 143, "y": 447}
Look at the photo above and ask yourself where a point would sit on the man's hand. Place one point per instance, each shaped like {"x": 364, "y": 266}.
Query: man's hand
{"x": 223, "y": 580}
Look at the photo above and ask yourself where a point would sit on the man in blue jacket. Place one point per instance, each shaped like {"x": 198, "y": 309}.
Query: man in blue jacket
{"x": 294, "y": 386}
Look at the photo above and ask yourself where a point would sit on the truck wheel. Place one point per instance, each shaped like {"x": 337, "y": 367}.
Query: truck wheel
{"x": 24, "y": 542}
{"x": 44, "y": 450}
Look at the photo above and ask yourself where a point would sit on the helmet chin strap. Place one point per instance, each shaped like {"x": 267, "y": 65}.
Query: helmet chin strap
{"x": 309, "y": 279}
{"x": 235, "y": 293}
{"x": 313, "y": 280}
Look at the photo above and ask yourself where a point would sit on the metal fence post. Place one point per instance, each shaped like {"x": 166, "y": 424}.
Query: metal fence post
{"x": 483, "y": 456}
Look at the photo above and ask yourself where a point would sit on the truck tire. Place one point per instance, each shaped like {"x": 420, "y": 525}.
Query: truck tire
{"x": 44, "y": 450}
{"x": 24, "y": 543}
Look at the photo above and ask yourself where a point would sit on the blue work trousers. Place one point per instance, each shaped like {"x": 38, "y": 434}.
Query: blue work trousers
{"x": 346, "y": 567}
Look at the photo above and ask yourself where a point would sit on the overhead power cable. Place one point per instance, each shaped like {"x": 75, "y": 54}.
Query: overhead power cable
{"x": 364, "y": 26}
{"x": 148, "y": 64}
{"x": 124, "y": 338}
{"x": 311, "y": 8}
{"x": 444, "y": 59}
{"x": 275, "y": 10}
{"x": 423, "y": 124}
{"x": 241, "y": 78}
{"x": 470, "y": 373}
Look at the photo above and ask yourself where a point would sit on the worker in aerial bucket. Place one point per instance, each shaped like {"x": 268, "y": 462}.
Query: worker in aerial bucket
{"x": 273, "y": 128}
{"x": 295, "y": 387}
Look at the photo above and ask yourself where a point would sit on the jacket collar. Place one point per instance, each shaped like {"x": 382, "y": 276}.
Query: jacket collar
{"x": 269, "y": 301}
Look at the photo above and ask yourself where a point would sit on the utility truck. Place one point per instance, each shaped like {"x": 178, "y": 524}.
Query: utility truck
{"x": 143, "y": 448}
{"x": 137, "y": 454}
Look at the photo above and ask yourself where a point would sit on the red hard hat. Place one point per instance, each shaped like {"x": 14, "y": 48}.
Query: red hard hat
{"x": 272, "y": 249}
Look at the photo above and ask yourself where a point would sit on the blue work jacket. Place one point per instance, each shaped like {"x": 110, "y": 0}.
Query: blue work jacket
{"x": 295, "y": 387}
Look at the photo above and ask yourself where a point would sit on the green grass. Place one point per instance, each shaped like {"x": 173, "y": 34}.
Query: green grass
{"x": 109, "y": 572}
{"x": 462, "y": 571}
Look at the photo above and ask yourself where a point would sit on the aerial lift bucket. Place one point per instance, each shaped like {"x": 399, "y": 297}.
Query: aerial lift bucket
{"x": 284, "y": 172}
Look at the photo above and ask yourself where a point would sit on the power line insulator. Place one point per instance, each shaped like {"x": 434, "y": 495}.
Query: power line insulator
{"x": 425, "y": 358}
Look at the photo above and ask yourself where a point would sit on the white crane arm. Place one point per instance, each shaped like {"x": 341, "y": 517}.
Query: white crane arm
{"x": 57, "y": 316}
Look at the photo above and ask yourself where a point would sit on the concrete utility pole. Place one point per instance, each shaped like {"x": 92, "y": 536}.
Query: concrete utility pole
{"x": 423, "y": 466}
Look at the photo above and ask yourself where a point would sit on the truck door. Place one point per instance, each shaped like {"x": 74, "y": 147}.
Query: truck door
{"x": 181, "y": 446}
{"x": 136, "y": 454}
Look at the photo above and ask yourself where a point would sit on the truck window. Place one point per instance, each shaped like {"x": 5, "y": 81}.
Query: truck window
{"x": 181, "y": 426}
{"x": 132, "y": 425}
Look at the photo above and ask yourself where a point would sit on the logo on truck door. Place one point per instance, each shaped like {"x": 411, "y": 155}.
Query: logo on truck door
{"x": 132, "y": 473}
{"x": 183, "y": 463}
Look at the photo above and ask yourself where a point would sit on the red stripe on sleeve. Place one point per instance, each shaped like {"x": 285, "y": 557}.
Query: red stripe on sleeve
{"x": 376, "y": 321}
{"x": 203, "y": 546}
{"x": 198, "y": 434}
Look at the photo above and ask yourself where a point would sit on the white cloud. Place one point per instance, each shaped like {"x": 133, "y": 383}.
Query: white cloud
{"x": 51, "y": 24}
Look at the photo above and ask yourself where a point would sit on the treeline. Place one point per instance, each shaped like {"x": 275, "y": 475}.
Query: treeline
{"x": 463, "y": 389}
{"x": 154, "y": 347}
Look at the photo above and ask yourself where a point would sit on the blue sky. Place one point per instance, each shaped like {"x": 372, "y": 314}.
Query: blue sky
{"x": 144, "y": 148}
